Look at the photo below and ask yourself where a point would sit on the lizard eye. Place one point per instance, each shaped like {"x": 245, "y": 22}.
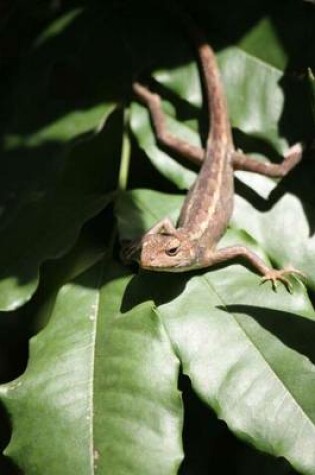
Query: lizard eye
{"x": 172, "y": 251}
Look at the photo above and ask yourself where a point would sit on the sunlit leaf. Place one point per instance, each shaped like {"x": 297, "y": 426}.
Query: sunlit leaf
{"x": 100, "y": 389}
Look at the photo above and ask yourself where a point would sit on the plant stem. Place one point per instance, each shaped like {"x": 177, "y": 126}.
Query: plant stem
{"x": 125, "y": 155}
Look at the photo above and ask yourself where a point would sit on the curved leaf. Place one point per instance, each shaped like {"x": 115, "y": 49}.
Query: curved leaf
{"x": 241, "y": 344}
{"x": 255, "y": 109}
{"x": 257, "y": 92}
{"x": 224, "y": 330}
{"x": 100, "y": 391}
{"x": 43, "y": 220}
{"x": 311, "y": 81}
{"x": 55, "y": 173}
{"x": 283, "y": 230}
{"x": 138, "y": 210}
{"x": 172, "y": 170}
{"x": 286, "y": 222}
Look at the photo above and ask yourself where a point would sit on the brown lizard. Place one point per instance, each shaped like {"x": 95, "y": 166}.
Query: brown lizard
{"x": 208, "y": 206}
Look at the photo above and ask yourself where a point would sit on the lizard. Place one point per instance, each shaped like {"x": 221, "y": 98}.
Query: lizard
{"x": 208, "y": 205}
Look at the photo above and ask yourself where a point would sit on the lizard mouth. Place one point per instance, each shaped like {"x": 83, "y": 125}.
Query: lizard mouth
{"x": 177, "y": 268}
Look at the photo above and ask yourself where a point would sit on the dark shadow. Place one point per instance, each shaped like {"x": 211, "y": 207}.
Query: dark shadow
{"x": 255, "y": 145}
{"x": 64, "y": 74}
{"x": 294, "y": 331}
{"x": 299, "y": 182}
{"x": 13, "y": 344}
{"x": 149, "y": 286}
{"x": 143, "y": 174}
{"x": 7, "y": 467}
{"x": 94, "y": 60}
{"x": 14, "y": 336}
{"x": 129, "y": 36}
{"x": 184, "y": 109}
{"x": 206, "y": 439}
{"x": 210, "y": 447}
{"x": 42, "y": 198}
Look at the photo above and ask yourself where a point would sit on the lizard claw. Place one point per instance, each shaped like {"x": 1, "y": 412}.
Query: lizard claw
{"x": 275, "y": 275}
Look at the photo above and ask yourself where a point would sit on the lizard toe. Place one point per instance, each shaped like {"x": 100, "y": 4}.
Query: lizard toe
{"x": 274, "y": 276}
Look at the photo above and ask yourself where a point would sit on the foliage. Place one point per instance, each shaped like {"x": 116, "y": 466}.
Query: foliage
{"x": 122, "y": 362}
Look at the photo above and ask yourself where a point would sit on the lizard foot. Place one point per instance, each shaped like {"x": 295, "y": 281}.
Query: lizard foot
{"x": 129, "y": 250}
{"x": 275, "y": 275}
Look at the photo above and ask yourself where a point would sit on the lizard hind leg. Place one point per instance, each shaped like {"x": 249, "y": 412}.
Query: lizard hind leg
{"x": 277, "y": 170}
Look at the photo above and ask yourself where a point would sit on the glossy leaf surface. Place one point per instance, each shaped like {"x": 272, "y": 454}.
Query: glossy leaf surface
{"x": 100, "y": 389}
{"x": 241, "y": 344}
{"x": 59, "y": 156}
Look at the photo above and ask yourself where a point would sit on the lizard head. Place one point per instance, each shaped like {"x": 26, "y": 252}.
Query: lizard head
{"x": 166, "y": 252}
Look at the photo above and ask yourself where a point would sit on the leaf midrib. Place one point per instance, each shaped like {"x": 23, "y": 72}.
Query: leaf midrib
{"x": 291, "y": 393}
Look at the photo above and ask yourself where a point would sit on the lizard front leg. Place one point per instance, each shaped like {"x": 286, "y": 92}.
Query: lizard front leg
{"x": 232, "y": 252}
{"x": 165, "y": 226}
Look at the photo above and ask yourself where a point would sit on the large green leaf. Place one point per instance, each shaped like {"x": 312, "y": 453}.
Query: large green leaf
{"x": 256, "y": 89}
{"x": 242, "y": 371}
{"x": 241, "y": 344}
{"x": 283, "y": 230}
{"x": 243, "y": 362}
{"x": 100, "y": 391}
{"x": 106, "y": 367}
{"x": 43, "y": 220}
{"x": 59, "y": 156}
{"x": 269, "y": 229}
{"x": 261, "y": 100}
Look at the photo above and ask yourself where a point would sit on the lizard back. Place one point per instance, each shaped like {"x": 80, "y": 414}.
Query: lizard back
{"x": 209, "y": 203}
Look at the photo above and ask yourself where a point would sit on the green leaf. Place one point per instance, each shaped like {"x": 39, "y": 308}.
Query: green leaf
{"x": 237, "y": 342}
{"x": 59, "y": 155}
{"x": 58, "y": 26}
{"x": 138, "y": 210}
{"x": 241, "y": 344}
{"x": 311, "y": 81}
{"x": 64, "y": 129}
{"x": 42, "y": 218}
{"x": 258, "y": 106}
{"x": 56, "y": 72}
{"x": 283, "y": 229}
{"x": 256, "y": 89}
{"x": 140, "y": 124}
{"x": 269, "y": 229}
{"x": 99, "y": 394}
{"x": 258, "y": 40}
{"x": 265, "y": 106}
{"x": 256, "y": 109}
